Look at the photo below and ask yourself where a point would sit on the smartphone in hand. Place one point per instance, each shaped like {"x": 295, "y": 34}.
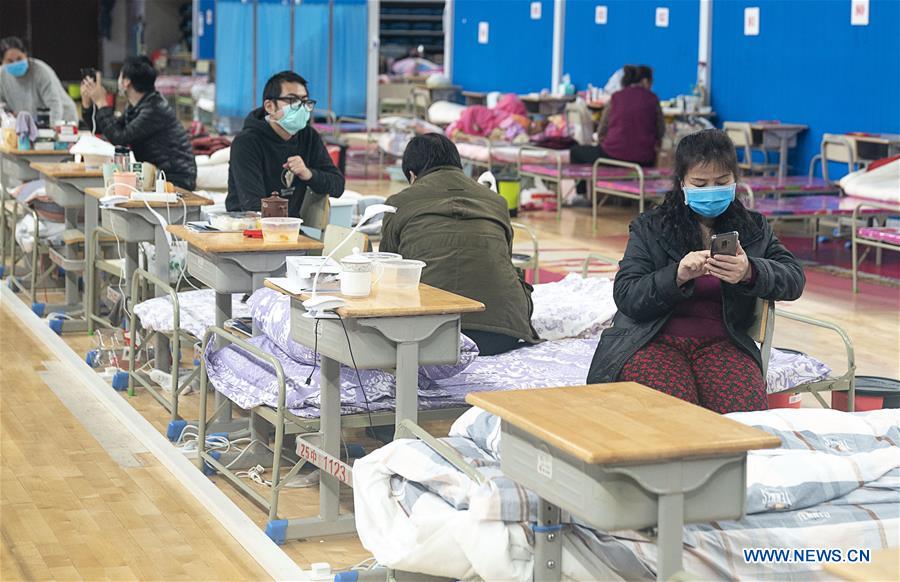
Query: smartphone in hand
{"x": 725, "y": 243}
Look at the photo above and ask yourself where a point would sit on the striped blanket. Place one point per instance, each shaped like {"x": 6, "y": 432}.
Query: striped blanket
{"x": 834, "y": 483}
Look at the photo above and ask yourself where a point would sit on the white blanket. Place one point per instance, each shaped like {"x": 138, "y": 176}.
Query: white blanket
{"x": 834, "y": 484}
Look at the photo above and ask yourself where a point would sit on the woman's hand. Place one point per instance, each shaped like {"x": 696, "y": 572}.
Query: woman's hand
{"x": 693, "y": 265}
{"x": 730, "y": 269}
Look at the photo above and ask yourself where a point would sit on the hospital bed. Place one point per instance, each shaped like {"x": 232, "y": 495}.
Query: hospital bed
{"x": 444, "y": 507}
{"x": 481, "y": 152}
{"x": 267, "y": 374}
{"x": 602, "y": 169}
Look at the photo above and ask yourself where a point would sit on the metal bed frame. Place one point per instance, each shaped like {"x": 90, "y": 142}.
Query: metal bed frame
{"x": 856, "y": 240}
{"x": 286, "y": 423}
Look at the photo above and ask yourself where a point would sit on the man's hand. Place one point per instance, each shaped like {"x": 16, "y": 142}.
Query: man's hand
{"x": 94, "y": 91}
{"x": 298, "y": 167}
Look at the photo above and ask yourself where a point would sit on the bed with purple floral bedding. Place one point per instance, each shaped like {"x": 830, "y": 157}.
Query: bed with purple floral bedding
{"x": 249, "y": 382}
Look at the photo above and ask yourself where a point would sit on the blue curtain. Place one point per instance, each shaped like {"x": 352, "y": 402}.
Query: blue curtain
{"x": 350, "y": 42}
{"x": 351, "y": 31}
{"x": 235, "y": 93}
{"x": 273, "y": 41}
{"x": 234, "y": 53}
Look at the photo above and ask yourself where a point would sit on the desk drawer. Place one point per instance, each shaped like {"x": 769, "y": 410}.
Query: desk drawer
{"x": 371, "y": 348}
{"x": 65, "y": 195}
{"x": 609, "y": 500}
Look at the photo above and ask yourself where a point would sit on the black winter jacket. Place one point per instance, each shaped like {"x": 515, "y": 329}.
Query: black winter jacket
{"x": 154, "y": 134}
{"x": 645, "y": 290}
{"x": 256, "y": 169}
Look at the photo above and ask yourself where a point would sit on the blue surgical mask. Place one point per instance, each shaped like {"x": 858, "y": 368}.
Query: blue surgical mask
{"x": 293, "y": 120}
{"x": 710, "y": 201}
{"x": 17, "y": 68}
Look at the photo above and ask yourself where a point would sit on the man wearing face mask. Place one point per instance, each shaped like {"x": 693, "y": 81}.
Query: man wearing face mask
{"x": 148, "y": 126}
{"x": 29, "y": 84}
{"x": 278, "y": 151}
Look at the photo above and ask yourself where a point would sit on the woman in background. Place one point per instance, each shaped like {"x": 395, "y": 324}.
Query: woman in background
{"x": 29, "y": 84}
{"x": 631, "y": 125}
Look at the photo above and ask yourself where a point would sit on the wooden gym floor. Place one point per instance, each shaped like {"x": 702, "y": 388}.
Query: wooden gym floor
{"x": 76, "y": 504}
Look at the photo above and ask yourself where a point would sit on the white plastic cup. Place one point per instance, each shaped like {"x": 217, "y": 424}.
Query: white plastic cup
{"x": 401, "y": 273}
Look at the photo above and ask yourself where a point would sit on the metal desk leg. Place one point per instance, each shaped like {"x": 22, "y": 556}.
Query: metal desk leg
{"x": 782, "y": 157}
{"x": 131, "y": 265}
{"x": 407, "y": 385}
{"x": 223, "y": 313}
{"x": 547, "y": 543}
{"x": 670, "y": 534}
{"x": 71, "y": 217}
{"x": 161, "y": 348}
{"x": 330, "y": 427}
{"x": 91, "y": 222}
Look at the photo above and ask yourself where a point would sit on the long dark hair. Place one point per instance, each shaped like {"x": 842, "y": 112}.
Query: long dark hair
{"x": 710, "y": 146}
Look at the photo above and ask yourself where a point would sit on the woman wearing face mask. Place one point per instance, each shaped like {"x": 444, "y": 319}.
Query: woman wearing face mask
{"x": 279, "y": 151}
{"x": 148, "y": 126}
{"x": 29, "y": 84}
{"x": 683, "y": 315}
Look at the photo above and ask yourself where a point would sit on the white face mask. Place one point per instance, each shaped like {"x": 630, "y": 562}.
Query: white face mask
{"x": 120, "y": 89}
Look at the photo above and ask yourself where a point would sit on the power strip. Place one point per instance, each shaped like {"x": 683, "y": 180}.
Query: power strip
{"x": 155, "y": 196}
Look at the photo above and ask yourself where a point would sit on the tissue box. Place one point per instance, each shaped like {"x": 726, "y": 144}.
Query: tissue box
{"x": 300, "y": 270}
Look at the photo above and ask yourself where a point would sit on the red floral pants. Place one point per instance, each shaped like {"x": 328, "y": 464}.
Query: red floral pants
{"x": 711, "y": 372}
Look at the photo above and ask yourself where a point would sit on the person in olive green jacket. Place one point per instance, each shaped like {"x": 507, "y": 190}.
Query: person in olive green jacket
{"x": 461, "y": 230}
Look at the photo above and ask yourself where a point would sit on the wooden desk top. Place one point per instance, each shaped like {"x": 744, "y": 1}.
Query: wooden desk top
{"x": 388, "y": 302}
{"x": 189, "y": 198}
{"x": 621, "y": 423}
{"x": 236, "y": 242}
{"x": 883, "y": 138}
{"x": 18, "y": 152}
{"x": 66, "y": 170}
{"x": 885, "y": 565}
{"x": 779, "y": 126}
{"x": 547, "y": 98}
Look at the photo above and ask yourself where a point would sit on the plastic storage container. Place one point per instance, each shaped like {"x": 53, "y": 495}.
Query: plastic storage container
{"x": 400, "y": 273}
{"x": 277, "y": 229}
{"x": 235, "y": 221}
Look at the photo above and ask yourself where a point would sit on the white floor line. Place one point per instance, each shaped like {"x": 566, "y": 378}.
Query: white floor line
{"x": 262, "y": 549}
{"x": 93, "y": 416}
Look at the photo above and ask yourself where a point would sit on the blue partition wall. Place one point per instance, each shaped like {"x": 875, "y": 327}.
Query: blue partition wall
{"x": 808, "y": 65}
{"x": 594, "y": 51}
{"x": 518, "y": 55}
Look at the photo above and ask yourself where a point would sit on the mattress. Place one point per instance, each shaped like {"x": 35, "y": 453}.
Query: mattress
{"x": 789, "y": 185}
{"x": 509, "y": 154}
{"x": 883, "y": 234}
{"x": 581, "y": 171}
{"x": 814, "y": 205}
{"x": 834, "y": 483}
{"x": 657, "y": 187}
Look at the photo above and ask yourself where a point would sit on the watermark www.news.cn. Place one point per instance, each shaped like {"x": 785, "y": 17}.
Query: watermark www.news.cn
{"x": 806, "y": 555}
